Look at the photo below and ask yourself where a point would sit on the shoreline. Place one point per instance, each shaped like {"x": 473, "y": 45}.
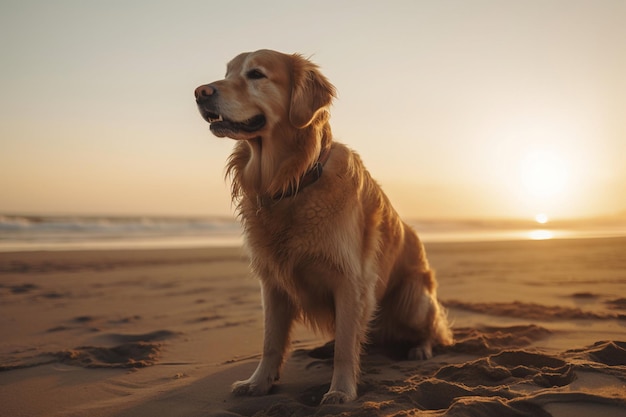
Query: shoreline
{"x": 217, "y": 242}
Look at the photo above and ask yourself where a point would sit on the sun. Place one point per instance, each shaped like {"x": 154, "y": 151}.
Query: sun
{"x": 544, "y": 174}
{"x": 541, "y": 218}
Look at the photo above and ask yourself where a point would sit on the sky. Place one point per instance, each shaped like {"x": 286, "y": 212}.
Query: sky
{"x": 465, "y": 108}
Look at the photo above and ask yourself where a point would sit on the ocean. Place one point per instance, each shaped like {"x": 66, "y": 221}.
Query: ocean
{"x": 26, "y": 232}
{"x": 30, "y": 232}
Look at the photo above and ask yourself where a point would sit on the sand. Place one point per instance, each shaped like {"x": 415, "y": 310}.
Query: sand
{"x": 540, "y": 330}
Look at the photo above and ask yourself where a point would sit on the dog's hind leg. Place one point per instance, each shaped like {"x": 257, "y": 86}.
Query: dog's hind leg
{"x": 425, "y": 316}
{"x": 429, "y": 320}
{"x": 411, "y": 315}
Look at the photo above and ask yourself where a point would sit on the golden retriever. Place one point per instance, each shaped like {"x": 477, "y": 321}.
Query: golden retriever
{"x": 323, "y": 238}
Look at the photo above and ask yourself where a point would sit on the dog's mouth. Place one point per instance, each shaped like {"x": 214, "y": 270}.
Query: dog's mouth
{"x": 221, "y": 126}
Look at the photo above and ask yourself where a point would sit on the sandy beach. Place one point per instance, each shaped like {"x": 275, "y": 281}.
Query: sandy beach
{"x": 540, "y": 330}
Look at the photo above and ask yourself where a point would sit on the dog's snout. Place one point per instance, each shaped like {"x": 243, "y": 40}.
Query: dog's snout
{"x": 205, "y": 91}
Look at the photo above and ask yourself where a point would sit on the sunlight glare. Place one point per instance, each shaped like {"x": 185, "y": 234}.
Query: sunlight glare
{"x": 544, "y": 173}
{"x": 541, "y": 218}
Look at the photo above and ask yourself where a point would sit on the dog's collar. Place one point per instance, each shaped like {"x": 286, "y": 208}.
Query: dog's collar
{"x": 309, "y": 177}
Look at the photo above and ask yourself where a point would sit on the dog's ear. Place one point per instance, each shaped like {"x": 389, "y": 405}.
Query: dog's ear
{"x": 310, "y": 92}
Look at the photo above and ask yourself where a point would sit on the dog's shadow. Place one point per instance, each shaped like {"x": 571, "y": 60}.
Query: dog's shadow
{"x": 396, "y": 352}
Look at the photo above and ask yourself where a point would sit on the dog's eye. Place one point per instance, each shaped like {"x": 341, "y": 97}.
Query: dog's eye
{"x": 255, "y": 74}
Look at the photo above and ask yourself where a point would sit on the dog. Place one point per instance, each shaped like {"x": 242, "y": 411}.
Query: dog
{"x": 324, "y": 240}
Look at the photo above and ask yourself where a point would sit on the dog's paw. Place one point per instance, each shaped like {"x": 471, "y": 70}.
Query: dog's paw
{"x": 421, "y": 352}
{"x": 337, "y": 397}
{"x": 250, "y": 388}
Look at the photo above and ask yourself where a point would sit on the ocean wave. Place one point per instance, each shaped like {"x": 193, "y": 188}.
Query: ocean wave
{"x": 23, "y": 232}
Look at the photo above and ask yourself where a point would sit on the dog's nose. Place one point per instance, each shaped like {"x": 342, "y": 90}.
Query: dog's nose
{"x": 204, "y": 91}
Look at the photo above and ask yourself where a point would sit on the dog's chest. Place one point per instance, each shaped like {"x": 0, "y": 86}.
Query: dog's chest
{"x": 301, "y": 244}
{"x": 294, "y": 226}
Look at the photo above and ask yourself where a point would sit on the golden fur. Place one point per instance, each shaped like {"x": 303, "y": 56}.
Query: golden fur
{"x": 334, "y": 253}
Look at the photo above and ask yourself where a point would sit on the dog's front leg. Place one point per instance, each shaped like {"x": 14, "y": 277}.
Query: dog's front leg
{"x": 279, "y": 315}
{"x": 350, "y": 327}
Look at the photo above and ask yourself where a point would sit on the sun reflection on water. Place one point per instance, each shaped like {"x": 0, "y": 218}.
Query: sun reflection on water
{"x": 540, "y": 234}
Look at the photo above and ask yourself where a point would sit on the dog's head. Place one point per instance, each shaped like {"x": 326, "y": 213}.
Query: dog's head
{"x": 263, "y": 91}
